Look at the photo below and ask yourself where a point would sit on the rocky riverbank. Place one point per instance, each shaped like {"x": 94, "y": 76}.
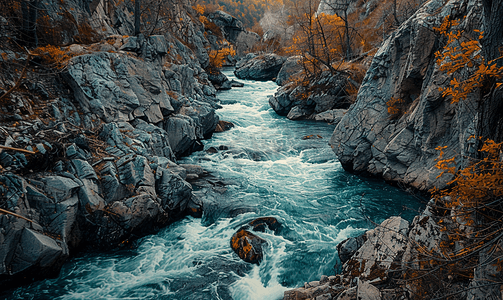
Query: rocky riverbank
{"x": 90, "y": 149}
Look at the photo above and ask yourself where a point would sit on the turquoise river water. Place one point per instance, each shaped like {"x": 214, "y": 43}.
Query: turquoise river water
{"x": 271, "y": 171}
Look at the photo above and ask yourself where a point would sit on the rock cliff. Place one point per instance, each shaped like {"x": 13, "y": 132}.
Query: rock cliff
{"x": 397, "y": 260}
{"x": 400, "y": 147}
{"x": 91, "y": 162}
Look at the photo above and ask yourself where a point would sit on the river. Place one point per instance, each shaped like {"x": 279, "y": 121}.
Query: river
{"x": 270, "y": 171}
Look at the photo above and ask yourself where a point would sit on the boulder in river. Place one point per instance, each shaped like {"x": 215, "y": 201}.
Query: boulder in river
{"x": 349, "y": 246}
{"x": 260, "y": 224}
{"x": 223, "y": 126}
{"x": 248, "y": 246}
{"x": 263, "y": 67}
{"x": 219, "y": 80}
{"x": 326, "y": 92}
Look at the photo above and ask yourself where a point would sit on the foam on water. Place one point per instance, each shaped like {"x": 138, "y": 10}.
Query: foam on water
{"x": 274, "y": 172}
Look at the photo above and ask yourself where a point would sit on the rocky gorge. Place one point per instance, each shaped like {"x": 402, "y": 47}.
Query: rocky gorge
{"x": 102, "y": 164}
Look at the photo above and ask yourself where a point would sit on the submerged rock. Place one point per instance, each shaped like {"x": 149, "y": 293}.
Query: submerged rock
{"x": 260, "y": 224}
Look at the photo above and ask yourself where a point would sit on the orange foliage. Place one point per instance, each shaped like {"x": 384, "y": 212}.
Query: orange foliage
{"x": 396, "y": 107}
{"x": 461, "y": 54}
{"x": 218, "y": 57}
{"x": 199, "y": 9}
{"x": 480, "y": 182}
{"x": 54, "y": 56}
{"x": 318, "y": 41}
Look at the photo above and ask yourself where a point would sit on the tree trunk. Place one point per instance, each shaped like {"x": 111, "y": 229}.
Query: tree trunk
{"x": 348, "y": 42}
{"x": 395, "y": 14}
{"x": 26, "y": 16}
{"x": 490, "y": 123}
{"x": 493, "y": 29}
{"x": 32, "y": 39}
{"x": 136, "y": 17}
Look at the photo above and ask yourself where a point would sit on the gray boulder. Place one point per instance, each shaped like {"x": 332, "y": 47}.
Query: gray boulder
{"x": 333, "y": 116}
{"x": 263, "y": 67}
{"x": 290, "y": 68}
{"x": 36, "y": 250}
{"x": 174, "y": 193}
{"x": 282, "y": 100}
{"x": 181, "y": 133}
{"x": 27, "y": 249}
{"x": 245, "y": 59}
{"x": 204, "y": 117}
{"x": 299, "y": 112}
{"x": 349, "y": 246}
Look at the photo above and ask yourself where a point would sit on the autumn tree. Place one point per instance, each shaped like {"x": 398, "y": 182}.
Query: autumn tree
{"x": 317, "y": 38}
{"x": 340, "y": 8}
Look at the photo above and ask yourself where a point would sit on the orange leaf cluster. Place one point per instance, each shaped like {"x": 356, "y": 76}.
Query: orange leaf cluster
{"x": 459, "y": 55}
{"x": 54, "y": 56}
{"x": 217, "y": 57}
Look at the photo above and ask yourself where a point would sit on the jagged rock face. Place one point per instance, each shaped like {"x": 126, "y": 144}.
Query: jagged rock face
{"x": 400, "y": 148}
{"x": 91, "y": 202}
{"x": 104, "y": 172}
{"x": 263, "y": 67}
{"x": 234, "y": 31}
{"x": 118, "y": 88}
{"x": 383, "y": 246}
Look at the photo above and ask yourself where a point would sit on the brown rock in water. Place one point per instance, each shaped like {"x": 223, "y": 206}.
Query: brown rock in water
{"x": 312, "y": 136}
{"x": 223, "y": 126}
{"x": 260, "y": 224}
{"x": 248, "y": 246}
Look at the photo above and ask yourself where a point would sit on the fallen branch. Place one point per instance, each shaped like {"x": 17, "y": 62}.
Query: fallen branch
{"x": 15, "y": 215}
{"x": 17, "y": 149}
